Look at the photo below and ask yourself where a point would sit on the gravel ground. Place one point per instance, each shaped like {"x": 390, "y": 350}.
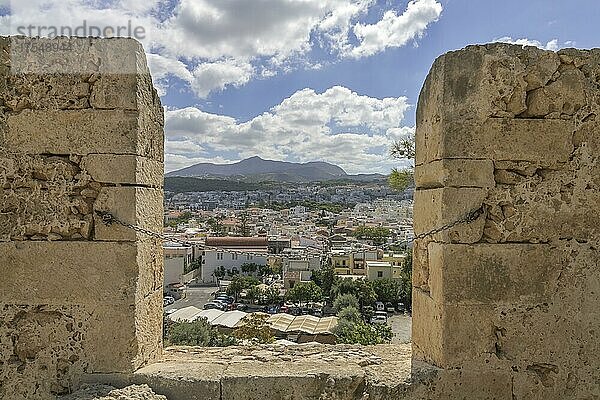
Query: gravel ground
{"x": 103, "y": 392}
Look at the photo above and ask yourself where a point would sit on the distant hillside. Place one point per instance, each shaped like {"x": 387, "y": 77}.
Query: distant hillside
{"x": 183, "y": 185}
{"x": 256, "y": 169}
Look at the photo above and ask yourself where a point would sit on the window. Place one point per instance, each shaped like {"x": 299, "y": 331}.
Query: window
{"x": 380, "y": 274}
{"x": 234, "y": 257}
{"x": 219, "y": 256}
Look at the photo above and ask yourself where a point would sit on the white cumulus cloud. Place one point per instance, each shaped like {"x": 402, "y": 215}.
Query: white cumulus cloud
{"x": 396, "y": 30}
{"x": 338, "y": 125}
{"x": 215, "y": 44}
{"x": 552, "y": 45}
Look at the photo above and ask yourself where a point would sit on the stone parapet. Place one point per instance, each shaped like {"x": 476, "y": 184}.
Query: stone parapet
{"x": 511, "y": 130}
{"x": 81, "y": 130}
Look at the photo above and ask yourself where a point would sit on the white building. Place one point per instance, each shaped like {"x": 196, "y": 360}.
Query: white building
{"x": 232, "y": 252}
{"x": 177, "y": 259}
{"x": 298, "y": 265}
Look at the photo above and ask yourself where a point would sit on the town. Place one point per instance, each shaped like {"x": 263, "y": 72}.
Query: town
{"x": 307, "y": 259}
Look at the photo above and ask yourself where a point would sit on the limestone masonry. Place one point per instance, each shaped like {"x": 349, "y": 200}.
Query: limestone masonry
{"x": 506, "y": 307}
{"x": 514, "y": 296}
{"x": 77, "y": 296}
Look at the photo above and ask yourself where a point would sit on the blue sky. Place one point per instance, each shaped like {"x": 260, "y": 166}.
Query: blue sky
{"x": 307, "y": 80}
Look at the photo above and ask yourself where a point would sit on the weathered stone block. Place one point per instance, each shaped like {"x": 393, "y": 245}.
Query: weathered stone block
{"x": 77, "y": 272}
{"x": 133, "y": 336}
{"x": 540, "y": 381}
{"x": 75, "y": 56}
{"x": 427, "y": 330}
{"x": 420, "y": 270}
{"x": 54, "y": 337}
{"x": 488, "y": 273}
{"x": 44, "y": 198}
{"x": 541, "y": 205}
{"x": 435, "y": 208}
{"x": 286, "y": 380}
{"x": 545, "y": 141}
{"x": 81, "y": 132}
{"x": 124, "y": 169}
{"x": 481, "y": 384}
{"x": 139, "y": 206}
{"x": 183, "y": 381}
{"x": 450, "y": 335}
{"x": 455, "y": 173}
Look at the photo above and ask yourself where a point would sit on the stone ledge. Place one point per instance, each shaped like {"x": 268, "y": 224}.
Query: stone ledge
{"x": 310, "y": 371}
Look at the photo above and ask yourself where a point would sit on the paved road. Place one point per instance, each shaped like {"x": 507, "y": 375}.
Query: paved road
{"x": 196, "y": 296}
{"x": 402, "y": 327}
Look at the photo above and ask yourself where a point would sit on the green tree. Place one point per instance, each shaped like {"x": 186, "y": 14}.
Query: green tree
{"x": 272, "y": 296}
{"x": 400, "y": 180}
{"x": 350, "y": 332}
{"x": 325, "y": 278}
{"x": 360, "y": 288}
{"x": 386, "y": 290}
{"x": 350, "y": 314}
{"x": 256, "y": 329}
{"x": 404, "y": 149}
{"x": 240, "y": 283}
{"x": 406, "y": 281}
{"x": 264, "y": 270}
{"x": 198, "y": 333}
{"x": 182, "y": 219}
{"x": 377, "y": 234}
{"x": 220, "y": 272}
{"x": 304, "y": 292}
{"x": 242, "y": 228}
{"x": 216, "y": 226}
{"x": 249, "y": 268}
{"x": 344, "y": 301}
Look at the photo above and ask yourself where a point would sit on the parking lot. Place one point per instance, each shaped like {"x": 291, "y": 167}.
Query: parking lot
{"x": 401, "y": 326}
{"x": 199, "y": 296}
{"x": 195, "y": 296}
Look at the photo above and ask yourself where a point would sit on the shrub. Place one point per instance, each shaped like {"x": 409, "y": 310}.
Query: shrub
{"x": 198, "y": 333}
{"x": 349, "y": 314}
{"x": 256, "y": 329}
{"x": 345, "y": 300}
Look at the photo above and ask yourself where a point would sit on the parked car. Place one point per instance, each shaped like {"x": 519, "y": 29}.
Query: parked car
{"x": 169, "y": 300}
{"x": 389, "y": 307}
{"x": 225, "y": 299}
{"x": 401, "y": 307}
{"x": 317, "y": 312}
{"x": 213, "y": 306}
{"x": 379, "y": 306}
{"x": 380, "y": 317}
{"x": 241, "y": 307}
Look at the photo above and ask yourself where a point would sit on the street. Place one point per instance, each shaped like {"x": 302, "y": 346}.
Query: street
{"x": 195, "y": 296}
{"x": 401, "y": 326}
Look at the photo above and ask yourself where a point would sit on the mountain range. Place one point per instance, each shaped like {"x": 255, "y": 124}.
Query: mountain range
{"x": 256, "y": 169}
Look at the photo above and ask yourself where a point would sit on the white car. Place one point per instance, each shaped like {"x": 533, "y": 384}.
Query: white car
{"x": 168, "y": 300}
{"x": 378, "y": 319}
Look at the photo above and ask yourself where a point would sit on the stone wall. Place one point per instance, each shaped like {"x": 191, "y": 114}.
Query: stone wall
{"x": 80, "y": 131}
{"x": 505, "y": 307}
{"x": 514, "y": 295}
